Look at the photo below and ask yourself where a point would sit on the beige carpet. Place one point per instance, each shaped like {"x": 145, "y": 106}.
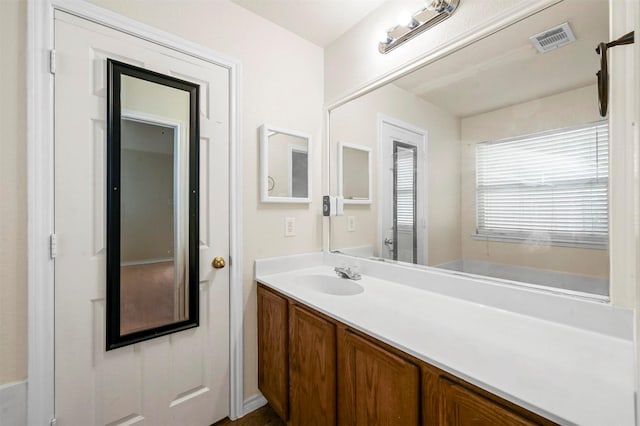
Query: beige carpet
{"x": 146, "y": 296}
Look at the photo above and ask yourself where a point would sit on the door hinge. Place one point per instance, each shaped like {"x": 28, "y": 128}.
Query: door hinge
{"x": 53, "y": 422}
{"x": 52, "y": 61}
{"x": 53, "y": 247}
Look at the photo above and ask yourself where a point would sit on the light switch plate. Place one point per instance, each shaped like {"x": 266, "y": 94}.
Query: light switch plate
{"x": 351, "y": 223}
{"x": 289, "y": 226}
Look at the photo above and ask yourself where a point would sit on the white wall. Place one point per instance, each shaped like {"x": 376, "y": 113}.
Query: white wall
{"x": 13, "y": 192}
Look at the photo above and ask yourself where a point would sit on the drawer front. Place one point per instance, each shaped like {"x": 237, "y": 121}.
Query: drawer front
{"x": 462, "y": 406}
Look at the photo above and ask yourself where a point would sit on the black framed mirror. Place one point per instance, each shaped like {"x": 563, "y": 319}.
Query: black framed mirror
{"x": 152, "y": 204}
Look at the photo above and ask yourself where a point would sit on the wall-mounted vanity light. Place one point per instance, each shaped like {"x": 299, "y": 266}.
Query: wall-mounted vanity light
{"x": 410, "y": 25}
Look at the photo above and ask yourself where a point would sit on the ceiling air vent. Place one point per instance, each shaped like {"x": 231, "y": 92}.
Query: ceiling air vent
{"x": 553, "y": 38}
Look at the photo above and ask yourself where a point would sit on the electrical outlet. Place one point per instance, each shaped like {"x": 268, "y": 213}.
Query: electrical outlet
{"x": 289, "y": 226}
{"x": 351, "y": 223}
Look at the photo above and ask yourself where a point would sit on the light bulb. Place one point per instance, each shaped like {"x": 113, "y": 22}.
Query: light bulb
{"x": 405, "y": 19}
{"x": 384, "y": 37}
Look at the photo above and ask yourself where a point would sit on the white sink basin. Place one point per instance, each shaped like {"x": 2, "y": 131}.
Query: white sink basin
{"x": 330, "y": 285}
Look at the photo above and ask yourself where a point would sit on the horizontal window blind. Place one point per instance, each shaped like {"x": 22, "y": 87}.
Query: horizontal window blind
{"x": 551, "y": 185}
{"x": 404, "y": 187}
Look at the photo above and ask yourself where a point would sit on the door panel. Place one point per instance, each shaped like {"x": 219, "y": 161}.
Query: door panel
{"x": 312, "y": 346}
{"x": 376, "y": 386}
{"x": 182, "y": 378}
{"x": 273, "y": 350}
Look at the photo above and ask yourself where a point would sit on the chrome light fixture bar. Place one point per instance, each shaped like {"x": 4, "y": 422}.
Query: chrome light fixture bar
{"x": 436, "y": 12}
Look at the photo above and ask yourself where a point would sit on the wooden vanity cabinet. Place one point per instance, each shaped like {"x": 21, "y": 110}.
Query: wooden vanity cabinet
{"x": 273, "y": 350}
{"x": 315, "y": 370}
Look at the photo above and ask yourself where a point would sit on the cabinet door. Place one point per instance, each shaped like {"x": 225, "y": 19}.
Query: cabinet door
{"x": 273, "y": 350}
{"x": 313, "y": 368}
{"x": 462, "y": 406}
{"x": 377, "y": 387}
{"x": 431, "y": 399}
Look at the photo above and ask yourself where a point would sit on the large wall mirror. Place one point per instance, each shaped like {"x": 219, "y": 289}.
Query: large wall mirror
{"x": 285, "y": 165}
{"x": 152, "y": 205}
{"x": 492, "y": 161}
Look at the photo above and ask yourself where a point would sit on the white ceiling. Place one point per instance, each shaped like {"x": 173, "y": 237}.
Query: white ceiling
{"x": 505, "y": 69}
{"x": 319, "y": 21}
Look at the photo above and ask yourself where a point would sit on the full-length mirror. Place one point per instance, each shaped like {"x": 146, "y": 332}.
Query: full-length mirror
{"x": 152, "y": 212}
{"x": 285, "y": 166}
{"x": 492, "y": 161}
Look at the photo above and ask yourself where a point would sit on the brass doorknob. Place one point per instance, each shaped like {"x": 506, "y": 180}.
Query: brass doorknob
{"x": 218, "y": 262}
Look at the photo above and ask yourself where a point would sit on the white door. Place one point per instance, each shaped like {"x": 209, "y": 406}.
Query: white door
{"x": 403, "y": 187}
{"x": 179, "y": 379}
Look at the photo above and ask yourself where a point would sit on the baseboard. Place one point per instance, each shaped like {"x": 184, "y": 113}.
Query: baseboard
{"x": 253, "y": 403}
{"x": 13, "y": 404}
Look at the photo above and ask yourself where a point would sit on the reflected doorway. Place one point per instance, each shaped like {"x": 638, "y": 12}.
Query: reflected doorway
{"x": 299, "y": 169}
{"x": 151, "y": 286}
{"x": 403, "y": 230}
{"x": 404, "y": 245}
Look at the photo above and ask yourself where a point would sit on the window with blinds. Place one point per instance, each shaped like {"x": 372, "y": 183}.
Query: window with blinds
{"x": 548, "y": 187}
{"x": 405, "y": 184}
{"x": 405, "y": 237}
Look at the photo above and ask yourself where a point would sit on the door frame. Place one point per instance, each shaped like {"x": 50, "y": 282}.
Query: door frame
{"x": 422, "y": 162}
{"x": 40, "y": 194}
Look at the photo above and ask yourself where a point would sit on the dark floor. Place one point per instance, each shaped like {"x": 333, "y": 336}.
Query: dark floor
{"x": 264, "y": 416}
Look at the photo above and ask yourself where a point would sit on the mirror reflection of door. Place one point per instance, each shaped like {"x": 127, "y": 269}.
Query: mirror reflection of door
{"x": 405, "y": 227}
{"x": 403, "y": 218}
{"x": 149, "y": 219}
{"x": 155, "y": 141}
{"x": 299, "y": 169}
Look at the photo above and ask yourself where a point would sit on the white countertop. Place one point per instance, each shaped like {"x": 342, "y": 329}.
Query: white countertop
{"x": 568, "y": 374}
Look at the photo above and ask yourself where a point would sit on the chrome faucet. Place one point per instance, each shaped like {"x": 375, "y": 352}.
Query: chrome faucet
{"x": 347, "y": 273}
